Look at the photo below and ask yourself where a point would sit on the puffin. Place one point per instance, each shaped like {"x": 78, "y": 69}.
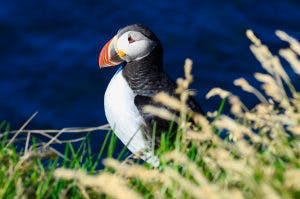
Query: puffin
{"x": 139, "y": 54}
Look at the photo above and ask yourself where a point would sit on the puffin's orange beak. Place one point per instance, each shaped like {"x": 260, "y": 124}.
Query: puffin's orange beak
{"x": 108, "y": 56}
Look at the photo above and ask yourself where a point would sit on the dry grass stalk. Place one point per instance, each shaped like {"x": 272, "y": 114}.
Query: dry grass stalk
{"x": 294, "y": 44}
{"x": 218, "y": 92}
{"x": 66, "y": 130}
{"x": 109, "y": 184}
{"x": 181, "y": 159}
{"x": 237, "y": 106}
{"x": 241, "y": 82}
{"x": 172, "y": 102}
{"x": 19, "y": 131}
{"x": 292, "y": 58}
{"x": 136, "y": 171}
{"x": 160, "y": 112}
{"x": 236, "y": 130}
{"x": 272, "y": 89}
{"x": 188, "y": 187}
{"x": 268, "y": 192}
{"x": 20, "y": 189}
{"x": 292, "y": 179}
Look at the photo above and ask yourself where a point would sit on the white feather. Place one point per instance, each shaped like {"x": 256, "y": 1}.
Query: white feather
{"x": 124, "y": 117}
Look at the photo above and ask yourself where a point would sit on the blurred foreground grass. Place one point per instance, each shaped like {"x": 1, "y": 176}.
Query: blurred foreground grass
{"x": 258, "y": 158}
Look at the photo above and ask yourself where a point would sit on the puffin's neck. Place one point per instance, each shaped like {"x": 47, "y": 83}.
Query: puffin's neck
{"x": 140, "y": 73}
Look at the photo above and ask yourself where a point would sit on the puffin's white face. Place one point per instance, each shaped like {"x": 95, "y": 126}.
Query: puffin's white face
{"x": 126, "y": 46}
{"x": 133, "y": 45}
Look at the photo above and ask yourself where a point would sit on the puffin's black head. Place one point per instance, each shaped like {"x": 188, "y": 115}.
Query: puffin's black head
{"x": 131, "y": 43}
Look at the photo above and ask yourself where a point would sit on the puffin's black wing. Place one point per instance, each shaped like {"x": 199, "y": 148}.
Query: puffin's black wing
{"x": 161, "y": 125}
{"x": 144, "y": 98}
{"x": 141, "y": 101}
{"x": 152, "y": 121}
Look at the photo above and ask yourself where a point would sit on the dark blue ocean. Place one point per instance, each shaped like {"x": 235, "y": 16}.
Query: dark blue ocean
{"x": 49, "y": 51}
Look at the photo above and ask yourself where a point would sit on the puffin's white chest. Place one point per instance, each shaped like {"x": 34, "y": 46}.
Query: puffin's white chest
{"x": 122, "y": 114}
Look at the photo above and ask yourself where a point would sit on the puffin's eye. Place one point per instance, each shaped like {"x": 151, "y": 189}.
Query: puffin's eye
{"x": 130, "y": 39}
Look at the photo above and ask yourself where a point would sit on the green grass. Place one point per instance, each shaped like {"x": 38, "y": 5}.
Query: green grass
{"x": 35, "y": 176}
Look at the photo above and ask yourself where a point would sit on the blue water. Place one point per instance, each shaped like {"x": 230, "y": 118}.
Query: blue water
{"x": 49, "y": 51}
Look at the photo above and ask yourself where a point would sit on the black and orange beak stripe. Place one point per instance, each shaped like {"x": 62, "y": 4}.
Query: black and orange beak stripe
{"x": 108, "y": 56}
